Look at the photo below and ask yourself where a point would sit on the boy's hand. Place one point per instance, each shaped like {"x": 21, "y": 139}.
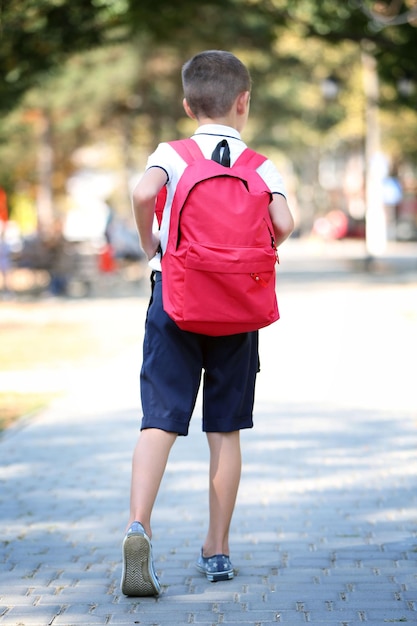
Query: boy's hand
{"x": 152, "y": 247}
{"x": 144, "y": 197}
{"x": 282, "y": 219}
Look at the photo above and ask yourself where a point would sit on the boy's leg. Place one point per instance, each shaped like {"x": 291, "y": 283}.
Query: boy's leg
{"x": 149, "y": 461}
{"x": 150, "y": 457}
{"x": 225, "y": 471}
{"x": 231, "y": 365}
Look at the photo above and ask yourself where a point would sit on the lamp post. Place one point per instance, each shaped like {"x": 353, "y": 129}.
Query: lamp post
{"x": 375, "y": 162}
{"x": 39, "y": 120}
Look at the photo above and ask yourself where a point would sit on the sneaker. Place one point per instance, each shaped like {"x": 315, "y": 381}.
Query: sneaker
{"x": 139, "y": 577}
{"x": 217, "y": 567}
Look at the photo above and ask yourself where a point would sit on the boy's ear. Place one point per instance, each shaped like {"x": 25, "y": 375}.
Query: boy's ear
{"x": 242, "y": 102}
{"x": 187, "y": 109}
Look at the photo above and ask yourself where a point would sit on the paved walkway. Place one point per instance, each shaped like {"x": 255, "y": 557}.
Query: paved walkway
{"x": 325, "y": 529}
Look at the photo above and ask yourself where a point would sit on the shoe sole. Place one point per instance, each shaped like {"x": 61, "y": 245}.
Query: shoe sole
{"x": 137, "y": 577}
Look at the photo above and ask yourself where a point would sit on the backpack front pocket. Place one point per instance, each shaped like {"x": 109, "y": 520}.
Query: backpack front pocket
{"x": 230, "y": 286}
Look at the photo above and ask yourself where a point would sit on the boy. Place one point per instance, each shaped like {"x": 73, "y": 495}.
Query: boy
{"x": 216, "y": 94}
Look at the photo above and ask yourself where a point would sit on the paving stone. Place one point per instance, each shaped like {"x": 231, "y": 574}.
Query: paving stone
{"x": 325, "y": 527}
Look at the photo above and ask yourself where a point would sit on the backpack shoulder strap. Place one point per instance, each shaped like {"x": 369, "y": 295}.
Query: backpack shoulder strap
{"x": 160, "y": 204}
{"x": 250, "y": 158}
{"x": 188, "y": 150}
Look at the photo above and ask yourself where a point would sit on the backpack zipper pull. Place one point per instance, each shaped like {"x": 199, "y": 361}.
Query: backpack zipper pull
{"x": 258, "y": 279}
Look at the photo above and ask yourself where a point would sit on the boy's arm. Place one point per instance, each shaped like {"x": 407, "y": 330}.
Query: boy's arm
{"x": 144, "y": 196}
{"x": 281, "y": 217}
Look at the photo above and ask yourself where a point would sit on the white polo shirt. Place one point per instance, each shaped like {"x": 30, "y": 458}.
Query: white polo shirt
{"x": 207, "y": 137}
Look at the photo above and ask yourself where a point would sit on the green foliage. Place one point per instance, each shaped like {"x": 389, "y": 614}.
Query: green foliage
{"x": 39, "y": 35}
{"x": 108, "y": 72}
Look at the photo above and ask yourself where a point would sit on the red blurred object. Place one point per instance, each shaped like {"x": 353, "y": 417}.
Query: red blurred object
{"x": 4, "y": 215}
{"x": 333, "y": 225}
{"x": 106, "y": 260}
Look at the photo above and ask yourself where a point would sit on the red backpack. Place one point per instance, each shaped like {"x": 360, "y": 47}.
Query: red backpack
{"x": 219, "y": 265}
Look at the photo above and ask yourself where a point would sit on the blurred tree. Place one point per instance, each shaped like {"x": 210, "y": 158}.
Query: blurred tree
{"x": 37, "y": 36}
{"x": 389, "y": 25}
{"x": 107, "y": 72}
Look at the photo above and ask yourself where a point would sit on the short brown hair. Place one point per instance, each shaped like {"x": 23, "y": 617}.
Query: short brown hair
{"x": 212, "y": 80}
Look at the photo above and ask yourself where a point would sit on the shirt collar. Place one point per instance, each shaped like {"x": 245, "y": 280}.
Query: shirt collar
{"x": 218, "y": 130}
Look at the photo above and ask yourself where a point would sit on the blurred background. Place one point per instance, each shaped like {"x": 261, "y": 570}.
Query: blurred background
{"x": 89, "y": 87}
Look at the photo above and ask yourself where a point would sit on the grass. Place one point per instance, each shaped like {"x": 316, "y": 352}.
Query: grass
{"x": 27, "y": 346}
{"x": 14, "y": 405}
{"x": 35, "y": 345}
{"x": 44, "y": 337}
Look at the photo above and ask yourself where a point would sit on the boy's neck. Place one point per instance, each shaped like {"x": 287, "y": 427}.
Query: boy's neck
{"x": 216, "y": 122}
{"x": 236, "y": 118}
{"x": 228, "y": 120}
{"x": 222, "y": 121}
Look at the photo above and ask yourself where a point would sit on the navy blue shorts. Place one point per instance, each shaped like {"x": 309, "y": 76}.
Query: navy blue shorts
{"x": 173, "y": 364}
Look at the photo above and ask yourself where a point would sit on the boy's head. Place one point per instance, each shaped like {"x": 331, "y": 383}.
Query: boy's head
{"x": 212, "y": 80}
